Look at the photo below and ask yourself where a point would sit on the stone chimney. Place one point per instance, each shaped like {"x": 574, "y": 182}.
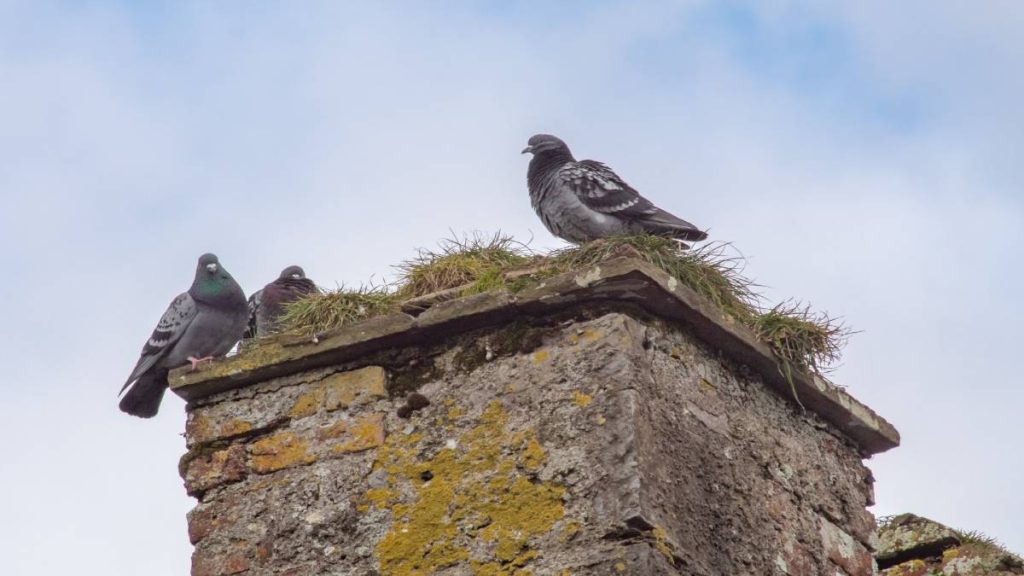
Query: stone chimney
{"x": 607, "y": 421}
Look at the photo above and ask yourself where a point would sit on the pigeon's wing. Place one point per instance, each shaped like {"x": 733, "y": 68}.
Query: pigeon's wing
{"x": 299, "y": 287}
{"x": 254, "y": 307}
{"x": 601, "y": 190}
{"x": 172, "y": 325}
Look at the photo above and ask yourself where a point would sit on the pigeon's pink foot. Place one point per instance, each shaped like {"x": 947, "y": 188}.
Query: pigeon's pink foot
{"x": 197, "y": 361}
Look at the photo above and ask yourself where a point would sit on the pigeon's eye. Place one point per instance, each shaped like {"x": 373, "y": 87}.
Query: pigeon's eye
{"x": 212, "y": 267}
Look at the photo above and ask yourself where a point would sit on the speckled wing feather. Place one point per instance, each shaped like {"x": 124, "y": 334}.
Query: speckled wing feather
{"x": 601, "y": 189}
{"x": 172, "y": 325}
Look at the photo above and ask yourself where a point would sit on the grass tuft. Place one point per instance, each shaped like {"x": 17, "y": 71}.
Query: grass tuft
{"x": 979, "y": 539}
{"x": 475, "y": 261}
{"x": 714, "y": 270}
{"x": 316, "y": 313}
{"x": 801, "y": 337}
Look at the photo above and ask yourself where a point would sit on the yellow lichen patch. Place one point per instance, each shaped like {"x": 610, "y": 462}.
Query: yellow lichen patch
{"x": 354, "y": 387}
{"x": 366, "y": 432}
{"x": 908, "y": 568}
{"x": 308, "y": 403}
{"x": 706, "y": 386}
{"x": 496, "y": 569}
{"x": 585, "y": 336}
{"x": 570, "y": 530}
{"x": 282, "y": 450}
{"x": 582, "y": 400}
{"x": 950, "y": 553}
{"x": 336, "y": 430}
{"x": 198, "y": 427}
{"x": 620, "y": 566}
{"x": 540, "y": 356}
{"x": 341, "y": 390}
{"x": 600, "y": 419}
{"x": 533, "y": 454}
{"x": 380, "y": 497}
{"x": 454, "y": 413}
{"x": 201, "y": 429}
{"x": 474, "y": 491}
{"x": 234, "y": 427}
{"x": 661, "y": 543}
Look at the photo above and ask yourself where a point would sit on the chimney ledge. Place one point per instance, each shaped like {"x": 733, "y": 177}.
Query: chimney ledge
{"x": 621, "y": 282}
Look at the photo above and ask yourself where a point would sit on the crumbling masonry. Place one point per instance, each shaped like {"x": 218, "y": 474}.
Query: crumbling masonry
{"x": 607, "y": 421}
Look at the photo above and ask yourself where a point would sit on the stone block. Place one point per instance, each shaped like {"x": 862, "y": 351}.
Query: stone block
{"x": 210, "y": 469}
{"x": 845, "y": 551}
{"x": 341, "y": 390}
{"x": 279, "y": 451}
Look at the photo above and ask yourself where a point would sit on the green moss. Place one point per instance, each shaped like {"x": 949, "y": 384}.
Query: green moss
{"x": 476, "y": 491}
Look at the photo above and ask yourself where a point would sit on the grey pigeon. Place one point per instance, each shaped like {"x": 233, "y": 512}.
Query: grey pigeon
{"x": 267, "y": 305}
{"x": 583, "y": 201}
{"x": 199, "y": 325}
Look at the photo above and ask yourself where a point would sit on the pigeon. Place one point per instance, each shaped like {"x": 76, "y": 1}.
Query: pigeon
{"x": 584, "y": 200}
{"x": 200, "y": 324}
{"x": 267, "y": 305}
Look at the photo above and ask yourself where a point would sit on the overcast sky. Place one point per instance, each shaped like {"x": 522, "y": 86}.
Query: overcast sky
{"x": 864, "y": 155}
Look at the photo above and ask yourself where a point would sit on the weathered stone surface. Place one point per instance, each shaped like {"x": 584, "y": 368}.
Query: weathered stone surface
{"x": 604, "y": 446}
{"x": 627, "y": 283}
{"x": 844, "y": 551}
{"x": 210, "y": 469}
{"x": 279, "y": 451}
{"x": 341, "y": 390}
{"x": 911, "y": 536}
{"x": 914, "y": 546}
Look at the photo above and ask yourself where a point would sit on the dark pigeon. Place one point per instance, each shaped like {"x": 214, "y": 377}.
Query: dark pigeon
{"x": 267, "y": 305}
{"x": 585, "y": 200}
{"x": 200, "y": 324}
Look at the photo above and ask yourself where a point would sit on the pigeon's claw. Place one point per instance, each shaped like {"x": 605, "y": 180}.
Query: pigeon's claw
{"x": 197, "y": 361}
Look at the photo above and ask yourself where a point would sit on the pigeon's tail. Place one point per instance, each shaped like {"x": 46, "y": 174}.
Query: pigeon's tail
{"x": 662, "y": 222}
{"x": 143, "y": 398}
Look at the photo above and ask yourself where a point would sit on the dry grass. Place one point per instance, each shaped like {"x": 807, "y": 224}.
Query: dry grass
{"x": 474, "y": 261}
{"x": 979, "y": 539}
{"x": 714, "y": 270}
{"x": 319, "y": 312}
{"x": 801, "y": 339}
{"x": 806, "y": 339}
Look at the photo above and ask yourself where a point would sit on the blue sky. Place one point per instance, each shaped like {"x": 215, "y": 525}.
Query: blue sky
{"x": 863, "y": 155}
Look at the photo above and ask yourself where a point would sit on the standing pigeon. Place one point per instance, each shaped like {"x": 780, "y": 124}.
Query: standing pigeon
{"x": 585, "y": 200}
{"x": 199, "y": 325}
{"x": 267, "y": 305}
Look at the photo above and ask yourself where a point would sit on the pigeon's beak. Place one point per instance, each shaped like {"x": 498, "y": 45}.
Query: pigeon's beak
{"x": 212, "y": 267}
{"x": 527, "y": 149}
